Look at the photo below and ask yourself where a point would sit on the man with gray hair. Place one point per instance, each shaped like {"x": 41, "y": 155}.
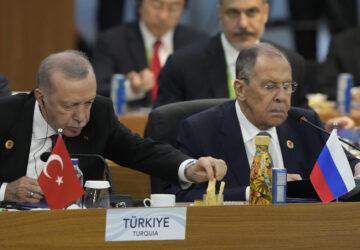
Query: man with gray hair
{"x": 263, "y": 89}
{"x": 207, "y": 69}
{"x": 66, "y": 98}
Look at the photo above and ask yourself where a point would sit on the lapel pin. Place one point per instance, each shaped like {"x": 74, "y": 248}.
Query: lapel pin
{"x": 9, "y": 144}
{"x": 289, "y": 144}
{"x": 86, "y": 137}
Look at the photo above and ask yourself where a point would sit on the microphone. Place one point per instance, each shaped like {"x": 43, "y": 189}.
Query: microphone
{"x": 296, "y": 115}
{"x": 45, "y": 156}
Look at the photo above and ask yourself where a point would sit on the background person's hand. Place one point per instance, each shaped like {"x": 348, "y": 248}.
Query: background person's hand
{"x": 24, "y": 189}
{"x": 205, "y": 169}
{"x": 342, "y": 121}
{"x": 293, "y": 177}
{"x": 142, "y": 81}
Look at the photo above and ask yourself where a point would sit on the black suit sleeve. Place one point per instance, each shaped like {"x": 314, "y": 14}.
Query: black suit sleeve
{"x": 190, "y": 143}
{"x": 145, "y": 155}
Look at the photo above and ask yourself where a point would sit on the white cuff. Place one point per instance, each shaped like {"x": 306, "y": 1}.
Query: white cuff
{"x": 130, "y": 95}
{"x": 247, "y": 193}
{"x": 185, "y": 183}
{"x": 2, "y": 191}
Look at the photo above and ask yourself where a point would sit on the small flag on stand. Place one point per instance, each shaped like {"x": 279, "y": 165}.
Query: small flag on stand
{"x": 332, "y": 176}
{"x": 58, "y": 180}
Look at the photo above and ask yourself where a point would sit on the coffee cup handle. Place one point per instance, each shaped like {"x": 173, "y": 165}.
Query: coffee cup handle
{"x": 145, "y": 202}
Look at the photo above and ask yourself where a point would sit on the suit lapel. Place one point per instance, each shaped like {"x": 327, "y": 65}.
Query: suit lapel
{"x": 21, "y": 134}
{"x": 136, "y": 46}
{"x": 233, "y": 149}
{"x": 288, "y": 144}
{"x": 216, "y": 68}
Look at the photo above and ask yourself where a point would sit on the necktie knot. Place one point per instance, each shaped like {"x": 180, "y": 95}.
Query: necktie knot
{"x": 157, "y": 44}
{"x": 263, "y": 133}
{"x": 53, "y": 140}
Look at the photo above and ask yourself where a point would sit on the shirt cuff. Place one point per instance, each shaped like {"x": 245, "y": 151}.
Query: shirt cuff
{"x": 2, "y": 191}
{"x": 185, "y": 183}
{"x": 247, "y": 193}
{"x": 130, "y": 95}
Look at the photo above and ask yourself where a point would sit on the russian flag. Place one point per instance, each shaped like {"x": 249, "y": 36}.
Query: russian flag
{"x": 332, "y": 175}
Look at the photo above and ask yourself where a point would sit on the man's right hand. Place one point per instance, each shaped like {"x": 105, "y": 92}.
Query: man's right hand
{"x": 24, "y": 189}
{"x": 142, "y": 81}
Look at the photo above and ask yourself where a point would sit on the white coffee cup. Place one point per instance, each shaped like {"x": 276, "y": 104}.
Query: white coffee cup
{"x": 160, "y": 200}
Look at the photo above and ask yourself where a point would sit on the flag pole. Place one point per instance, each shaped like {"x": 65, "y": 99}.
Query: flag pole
{"x": 335, "y": 127}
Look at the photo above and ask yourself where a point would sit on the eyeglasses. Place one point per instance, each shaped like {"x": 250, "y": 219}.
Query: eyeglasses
{"x": 271, "y": 87}
{"x": 288, "y": 87}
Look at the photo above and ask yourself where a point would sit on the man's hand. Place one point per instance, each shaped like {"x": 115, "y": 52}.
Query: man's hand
{"x": 24, "y": 189}
{"x": 142, "y": 81}
{"x": 342, "y": 121}
{"x": 293, "y": 177}
{"x": 205, "y": 169}
{"x": 357, "y": 171}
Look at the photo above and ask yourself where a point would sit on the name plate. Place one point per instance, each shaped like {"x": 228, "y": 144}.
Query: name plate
{"x": 145, "y": 224}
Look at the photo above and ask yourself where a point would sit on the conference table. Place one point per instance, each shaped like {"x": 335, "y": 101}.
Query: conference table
{"x": 286, "y": 226}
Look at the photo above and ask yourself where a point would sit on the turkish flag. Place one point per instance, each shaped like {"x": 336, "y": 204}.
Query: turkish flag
{"x": 58, "y": 180}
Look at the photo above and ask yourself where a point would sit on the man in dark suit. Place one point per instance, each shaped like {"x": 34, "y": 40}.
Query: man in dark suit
{"x": 4, "y": 87}
{"x": 343, "y": 57}
{"x": 129, "y": 49}
{"x": 207, "y": 69}
{"x": 66, "y": 98}
{"x": 263, "y": 91}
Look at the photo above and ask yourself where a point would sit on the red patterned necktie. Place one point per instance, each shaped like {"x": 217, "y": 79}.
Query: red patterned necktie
{"x": 155, "y": 68}
{"x": 53, "y": 141}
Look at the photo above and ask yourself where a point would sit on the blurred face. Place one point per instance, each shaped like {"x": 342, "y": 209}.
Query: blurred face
{"x": 266, "y": 107}
{"x": 243, "y": 21}
{"x": 68, "y": 104}
{"x": 160, "y": 16}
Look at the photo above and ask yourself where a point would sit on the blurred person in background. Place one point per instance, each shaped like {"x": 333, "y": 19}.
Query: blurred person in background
{"x": 207, "y": 69}
{"x": 139, "y": 49}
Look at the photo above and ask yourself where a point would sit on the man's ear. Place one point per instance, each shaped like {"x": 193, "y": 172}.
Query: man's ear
{"x": 240, "y": 89}
{"x": 39, "y": 95}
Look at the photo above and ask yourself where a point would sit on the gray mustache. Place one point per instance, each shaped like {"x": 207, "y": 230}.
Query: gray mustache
{"x": 243, "y": 33}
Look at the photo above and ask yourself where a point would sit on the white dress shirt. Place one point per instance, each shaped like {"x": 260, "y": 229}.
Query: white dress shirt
{"x": 248, "y": 132}
{"x": 166, "y": 48}
{"x": 231, "y": 54}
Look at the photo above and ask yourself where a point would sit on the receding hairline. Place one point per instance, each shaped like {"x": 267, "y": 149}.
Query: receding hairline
{"x": 71, "y": 64}
{"x": 249, "y": 57}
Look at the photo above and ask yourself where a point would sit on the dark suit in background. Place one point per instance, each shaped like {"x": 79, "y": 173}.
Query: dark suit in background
{"x": 103, "y": 135}
{"x": 216, "y": 132}
{"x": 122, "y": 49}
{"x": 199, "y": 71}
{"x": 343, "y": 57}
{"x": 4, "y": 86}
